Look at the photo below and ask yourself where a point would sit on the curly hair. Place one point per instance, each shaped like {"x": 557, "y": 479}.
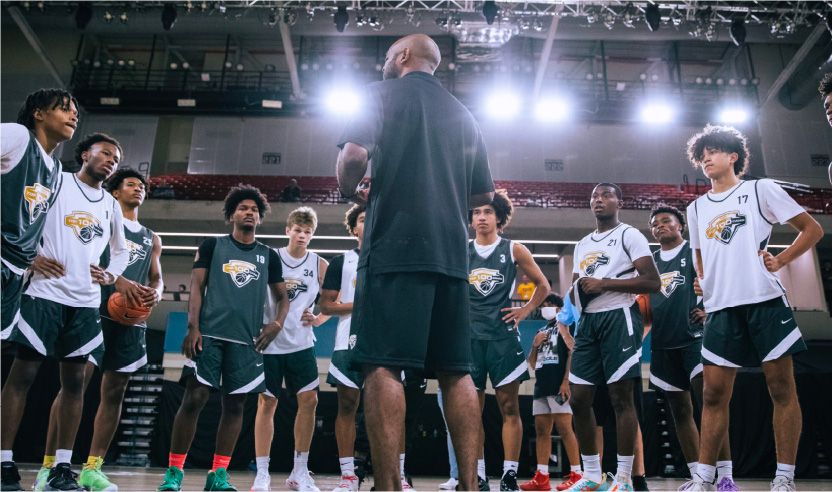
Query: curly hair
{"x": 92, "y": 139}
{"x": 555, "y": 299}
{"x": 503, "y": 209}
{"x": 114, "y": 182}
{"x": 44, "y": 99}
{"x": 723, "y": 138}
{"x": 352, "y": 216}
{"x": 303, "y": 216}
{"x": 662, "y": 208}
{"x": 245, "y": 192}
{"x": 825, "y": 86}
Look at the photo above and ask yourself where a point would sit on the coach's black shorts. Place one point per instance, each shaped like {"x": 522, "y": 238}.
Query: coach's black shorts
{"x": 412, "y": 320}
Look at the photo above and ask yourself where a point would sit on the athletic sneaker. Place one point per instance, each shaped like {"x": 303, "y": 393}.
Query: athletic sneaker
{"x": 781, "y": 484}
{"x": 301, "y": 481}
{"x": 218, "y": 480}
{"x": 360, "y": 467}
{"x": 483, "y": 484}
{"x": 173, "y": 479}
{"x": 406, "y": 483}
{"x": 621, "y": 483}
{"x": 61, "y": 477}
{"x": 572, "y": 478}
{"x": 585, "y": 485}
{"x": 540, "y": 481}
{"x": 9, "y": 477}
{"x": 40, "y": 479}
{"x": 348, "y": 483}
{"x": 263, "y": 482}
{"x": 696, "y": 484}
{"x": 640, "y": 484}
{"x": 95, "y": 480}
{"x": 727, "y": 485}
{"x": 450, "y": 485}
{"x": 509, "y": 481}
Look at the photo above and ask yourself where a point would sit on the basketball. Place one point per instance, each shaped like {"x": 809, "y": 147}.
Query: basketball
{"x": 124, "y": 313}
{"x": 645, "y": 307}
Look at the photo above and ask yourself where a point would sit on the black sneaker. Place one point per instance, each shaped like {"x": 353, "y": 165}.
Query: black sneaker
{"x": 9, "y": 477}
{"x": 62, "y": 478}
{"x": 483, "y": 484}
{"x": 509, "y": 481}
{"x": 360, "y": 469}
{"x": 639, "y": 482}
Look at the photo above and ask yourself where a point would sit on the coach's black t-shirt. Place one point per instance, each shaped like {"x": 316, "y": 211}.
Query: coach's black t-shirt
{"x": 428, "y": 158}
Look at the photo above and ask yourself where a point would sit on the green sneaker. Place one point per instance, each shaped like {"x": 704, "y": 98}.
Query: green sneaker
{"x": 95, "y": 480}
{"x": 218, "y": 480}
{"x": 40, "y": 479}
{"x": 173, "y": 479}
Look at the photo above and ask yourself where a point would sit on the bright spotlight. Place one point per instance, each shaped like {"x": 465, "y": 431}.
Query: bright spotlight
{"x": 734, "y": 115}
{"x": 342, "y": 101}
{"x": 657, "y": 113}
{"x": 551, "y": 110}
{"x": 503, "y": 105}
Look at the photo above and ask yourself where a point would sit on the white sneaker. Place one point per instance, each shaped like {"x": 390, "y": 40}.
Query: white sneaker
{"x": 782, "y": 484}
{"x": 301, "y": 481}
{"x": 696, "y": 484}
{"x": 405, "y": 484}
{"x": 450, "y": 485}
{"x": 621, "y": 483}
{"x": 263, "y": 481}
{"x": 347, "y": 483}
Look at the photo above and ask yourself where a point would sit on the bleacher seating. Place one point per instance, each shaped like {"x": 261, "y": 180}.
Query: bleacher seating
{"x": 323, "y": 189}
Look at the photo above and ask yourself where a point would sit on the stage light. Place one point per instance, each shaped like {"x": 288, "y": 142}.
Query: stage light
{"x": 239, "y": 67}
{"x": 186, "y": 65}
{"x": 168, "y": 16}
{"x": 551, "y": 110}
{"x": 657, "y": 113}
{"x": 744, "y": 81}
{"x": 342, "y": 101}
{"x": 341, "y": 18}
{"x": 708, "y": 80}
{"x": 652, "y": 16}
{"x": 698, "y": 80}
{"x": 589, "y": 76}
{"x": 452, "y": 65}
{"x": 734, "y": 115}
{"x": 643, "y": 76}
{"x": 503, "y": 105}
{"x": 83, "y": 15}
{"x": 108, "y": 17}
{"x": 123, "y": 18}
{"x": 733, "y": 81}
{"x": 121, "y": 63}
{"x": 174, "y": 66}
{"x": 273, "y": 18}
{"x": 111, "y": 61}
{"x": 738, "y": 32}
{"x": 719, "y": 81}
{"x": 756, "y": 81}
{"x": 489, "y": 11}
{"x": 97, "y": 64}
{"x": 654, "y": 77}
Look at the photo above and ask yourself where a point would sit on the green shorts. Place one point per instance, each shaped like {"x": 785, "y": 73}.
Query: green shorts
{"x": 340, "y": 372}
{"x": 124, "y": 348}
{"x": 298, "y": 369}
{"x": 239, "y": 365}
{"x": 503, "y": 361}
{"x": 10, "y": 307}
{"x": 673, "y": 369}
{"x": 56, "y": 330}
{"x": 746, "y": 336}
{"x": 608, "y": 346}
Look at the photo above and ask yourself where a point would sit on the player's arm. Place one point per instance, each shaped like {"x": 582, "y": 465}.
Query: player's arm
{"x": 809, "y": 233}
{"x": 119, "y": 256}
{"x": 564, "y": 390}
{"x": 570, "y": 293}
{"x": 271, "y": 330}
{"x": 329, "y": 303}
{"x": 193, "y": 338}
{"x": 647, "y": 282}
{"x": 14, "y": 138}
{"x": 542, "y": 286}
{"x": 350, "y": 169}
{"x": 308, "y": 318}
{"x": 540, "y": 338}
{"x": 155, "y": 274}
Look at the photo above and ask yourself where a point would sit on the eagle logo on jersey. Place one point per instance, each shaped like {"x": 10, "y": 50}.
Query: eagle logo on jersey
{"x": 85, "y": 226}
{"x": 592, "y": 261}
{"x": 137, "y": 252}
{"x": 295, "y": 287}
{"x": 37, "y": 196}
{"x": 242, "y": 272}
{"x": 485, "y": 280}
{"x": 670, "y": 282}
{"x": 724, "y": 227}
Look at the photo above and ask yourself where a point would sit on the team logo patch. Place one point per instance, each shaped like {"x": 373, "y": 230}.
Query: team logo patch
{"x": 352, "y": 342}
{"x": 137, "y": 252}
{"x": 593, "y": 261}
{"x": 724, "y": 227}
{"x": 295, "y": 287}
{"x": 485, "y": 280}
{"x": 37, "y": 196}
{"x": 670, "y": 282}
{"x": 242, "y": 272}
{"x": 85, "y": 226}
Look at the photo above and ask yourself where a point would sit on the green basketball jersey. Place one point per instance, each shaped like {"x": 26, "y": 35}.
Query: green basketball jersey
{"x": 670, "y": 307}
{"x": 491, "y": 282}
{"x": 140, "y": 246}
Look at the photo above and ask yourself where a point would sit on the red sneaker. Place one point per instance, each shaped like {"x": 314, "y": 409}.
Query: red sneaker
{"x": 540, "y": 481}
{"x": 572, "y": 478}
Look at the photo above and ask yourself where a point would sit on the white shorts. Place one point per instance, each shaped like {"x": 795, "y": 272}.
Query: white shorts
{"x": 547, "y": 405}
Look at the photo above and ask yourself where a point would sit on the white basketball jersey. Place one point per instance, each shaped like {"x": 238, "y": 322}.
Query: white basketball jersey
{"x": 347, "y": 293}
{"x": 79, "y": 225}
{"x": 302, "y": 286}
{"x": 729, "y": 229}
{"x": 610, "y": 255}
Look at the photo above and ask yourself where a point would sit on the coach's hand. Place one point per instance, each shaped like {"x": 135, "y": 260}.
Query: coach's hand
{"x": 309, "y": 319}
{"x": 192, "y": 345}
{"x": 48, "y": 268}
{"x": 697, "y": 316}
{"x": 772, "y": 263}
{"x": 515, "y": 315}
{"x": 698, "y": 291}
{"x": 267, "y": 334}
{"x": 591, "y": 285}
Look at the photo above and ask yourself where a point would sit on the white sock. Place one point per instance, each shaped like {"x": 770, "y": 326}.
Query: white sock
{"x": 481, "y": 469}
{"x": 624, "y": 465}
{"x": 510, "y": 465}
{"x": 544, "y": 469}
{"x": 348, "y": 468}
{"x": 6, "y": 455}
{"x": 262, "y": 463}
{"x": 592, "y": 467}
{"x": 786, "y": 471}
{"x": 692, "y": 468}
{"x": 402, "y": 464}
{"x": 65, "y": 456}
{"x": 301, "y": 460}
{"x": 575, "y": 469}
{"x": 706, "y": 472}
{"x": 724, "y": 470}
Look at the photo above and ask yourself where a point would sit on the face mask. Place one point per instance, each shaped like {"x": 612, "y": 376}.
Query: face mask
{"x": 548, "y": 313}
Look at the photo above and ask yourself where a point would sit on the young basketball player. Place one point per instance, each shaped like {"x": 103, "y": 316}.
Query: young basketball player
{"x": 226, "y": 333}
{"x": 611, "y": 266}
{"x": 749, "y": 321}
{"x": 291, "y": 356}
{"x": 494, "y": 263}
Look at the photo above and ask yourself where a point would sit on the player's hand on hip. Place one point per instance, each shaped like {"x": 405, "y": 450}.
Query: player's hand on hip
{"x": 771, "y": 262}
{"x": 591, "y": 285}
{"x": 309, "y": 319}
{"x": 99, "y": 275}
{"x": 130, "y": 290}
{"x": 515, "y": 315}
{"x": 192, "y": 345}
{"x": 698, "y": 290}
{"x": 267, "y": 334}
{"x": 47, "y": 267}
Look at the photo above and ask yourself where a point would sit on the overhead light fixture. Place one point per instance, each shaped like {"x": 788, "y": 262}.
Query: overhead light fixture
{"x": 489, "y": 11}
{"x": 271, "y": 104}
{"x": 186, "y": 65}
{"x": 341, "y": 101}
{"x": 273, "y": 18}
{"x": 591, "y": 17}
{"x": 174, "y": 66}
{"x": 290, "y": 17}
{"x": 123, "y": 18}
{"x": 168, "y": 16}
{"x": 341, "y": 18}
{"x": 121, "y": 63}
{"x": 83, "y": 15}
{"x": 109, "y": 101}
{"x": 239, "y": 67}
{"x": 131, "y": 63}
{"x": 309, "y": 11}
{"x": 186, "y": 103}
{"x": 657, "y": 113}
{"x": 551, "y": 110}
{"x": 652, "y": 16}
{"x": 609, "y": 19}
{"x": 734, "y": 115}
{"x": 503, "y": 105}
{"x": 738, "y": 31}
{"x": 108, "y": 17}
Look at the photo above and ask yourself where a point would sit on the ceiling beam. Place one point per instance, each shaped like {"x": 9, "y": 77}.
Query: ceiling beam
{"x": 35, "y": 43}
{"x": 545, "y": 54}
{"x": 792, "y": 66}
{"x": 290, "y": 58}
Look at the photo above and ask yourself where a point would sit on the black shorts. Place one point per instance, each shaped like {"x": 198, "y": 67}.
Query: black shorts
{"x": 608, "y": 347}
{"x": 10, "y": 308}
{"x": 411, "y": 320}
{"x": 299, "y": 370}
{"x": 57, "y": 330}
{"x": 673, "y": 369}
{"x": 232, "y": 367}
{"x": 124, "y": 348}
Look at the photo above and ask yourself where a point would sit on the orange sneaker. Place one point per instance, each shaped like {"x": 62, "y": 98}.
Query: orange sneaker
{"x": 572, "y": 478}
{"x": 540, "y": 481}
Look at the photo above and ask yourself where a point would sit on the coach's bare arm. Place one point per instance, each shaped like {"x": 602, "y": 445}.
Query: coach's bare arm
{"x": 481, "y": 199}
{"x": 350, "y": 169}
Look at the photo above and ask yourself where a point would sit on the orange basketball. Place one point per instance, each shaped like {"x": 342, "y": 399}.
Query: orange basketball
{"x": 124, "y": 313}
{"x": 644, "y": 301}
